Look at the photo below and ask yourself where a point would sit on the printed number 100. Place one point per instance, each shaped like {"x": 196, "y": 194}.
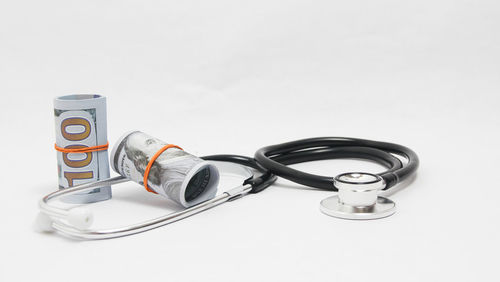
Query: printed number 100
{"x": 80, "y": 122}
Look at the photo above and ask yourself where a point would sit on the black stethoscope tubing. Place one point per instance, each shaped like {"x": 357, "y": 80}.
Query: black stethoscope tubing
{"x": 276, "y": 158}
{"x": 258, "y": 182}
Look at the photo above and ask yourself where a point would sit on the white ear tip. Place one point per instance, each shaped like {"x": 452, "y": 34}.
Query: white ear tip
{"x": 43, "y": 223}
{"x": 80, "y": 218}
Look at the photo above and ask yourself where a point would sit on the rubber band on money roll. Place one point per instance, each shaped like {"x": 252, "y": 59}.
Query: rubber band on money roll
{"x": 82, "y": 149}
{"x": 150, "y": 164}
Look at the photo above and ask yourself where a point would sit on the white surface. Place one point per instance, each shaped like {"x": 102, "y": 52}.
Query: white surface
{"x": 228, "y": 77}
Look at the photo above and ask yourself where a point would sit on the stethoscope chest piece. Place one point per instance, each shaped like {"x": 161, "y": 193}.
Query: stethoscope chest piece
{"x": 358, "y": 198}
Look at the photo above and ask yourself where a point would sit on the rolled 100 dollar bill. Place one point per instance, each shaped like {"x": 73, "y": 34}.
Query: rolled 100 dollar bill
{"x": 80, "y": 122}
{"x": 175, "y": 174}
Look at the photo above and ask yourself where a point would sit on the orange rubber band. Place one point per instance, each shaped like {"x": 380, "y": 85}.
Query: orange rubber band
{"x": 82, "y": 150}
{"x": 150, "y": 164}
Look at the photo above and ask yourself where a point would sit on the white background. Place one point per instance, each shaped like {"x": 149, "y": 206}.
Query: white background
{"x": 231, "y": 77}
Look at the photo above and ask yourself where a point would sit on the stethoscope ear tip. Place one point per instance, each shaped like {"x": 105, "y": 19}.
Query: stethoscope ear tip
{"x": 80, "y": 218}
{"x": 43, "y": 223}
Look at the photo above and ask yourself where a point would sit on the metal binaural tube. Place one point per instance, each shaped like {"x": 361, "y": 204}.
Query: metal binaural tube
{"x": 154, "y": 223}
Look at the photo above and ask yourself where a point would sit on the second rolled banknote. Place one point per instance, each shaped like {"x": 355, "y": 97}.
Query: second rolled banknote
{"x": 176, "y": 174}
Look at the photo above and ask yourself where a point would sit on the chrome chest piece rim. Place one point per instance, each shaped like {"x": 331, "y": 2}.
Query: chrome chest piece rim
{"x": 358, "y": 198}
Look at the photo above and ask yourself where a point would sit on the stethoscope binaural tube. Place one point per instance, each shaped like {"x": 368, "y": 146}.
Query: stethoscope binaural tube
{"x": 74, "y": 222}
{"x": 275, "y": 158}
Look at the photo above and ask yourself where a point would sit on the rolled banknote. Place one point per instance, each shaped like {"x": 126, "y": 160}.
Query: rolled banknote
{"x": 176, "y": 174}
{"x": 81, "y": 123}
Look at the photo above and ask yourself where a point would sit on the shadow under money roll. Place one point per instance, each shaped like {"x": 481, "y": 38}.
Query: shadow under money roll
{"x": 167, "y": 169}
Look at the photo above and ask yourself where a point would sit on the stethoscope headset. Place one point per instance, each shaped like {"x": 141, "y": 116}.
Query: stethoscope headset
{"x": 357, "y": 198}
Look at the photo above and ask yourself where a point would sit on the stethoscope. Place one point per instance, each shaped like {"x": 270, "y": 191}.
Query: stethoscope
{"x": 357, "y": 198}
{"x": 358, "y": 192}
